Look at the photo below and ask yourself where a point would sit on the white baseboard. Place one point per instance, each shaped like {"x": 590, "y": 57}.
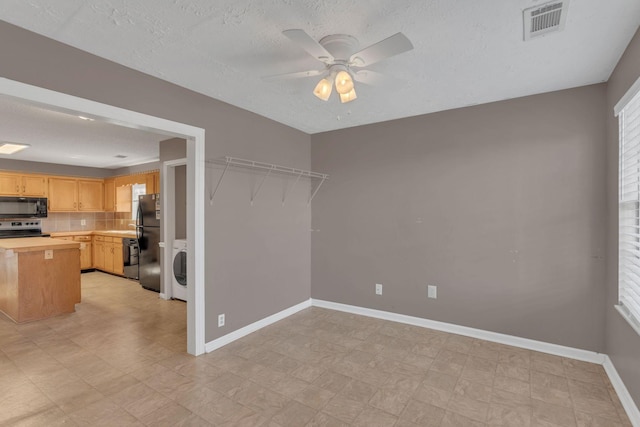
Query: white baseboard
{"x": 239, "y": 333}
{"x": 625, "y": 397}
{"x": 558, "y": 350}
{"x": 164, "y": 296}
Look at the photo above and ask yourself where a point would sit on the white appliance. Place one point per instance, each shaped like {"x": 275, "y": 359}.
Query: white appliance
{"x": 179, "y": 269}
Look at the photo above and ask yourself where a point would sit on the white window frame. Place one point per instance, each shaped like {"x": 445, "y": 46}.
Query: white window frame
{"x": 628, "y": 112}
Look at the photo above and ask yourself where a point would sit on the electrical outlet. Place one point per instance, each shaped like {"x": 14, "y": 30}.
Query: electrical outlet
{"x": 432, "y": 291}
{"x": 378, "y": 289}
{"x": 48, "y": 254}
{"x": 220, "y": 320}
{"x": 83, "y": 222}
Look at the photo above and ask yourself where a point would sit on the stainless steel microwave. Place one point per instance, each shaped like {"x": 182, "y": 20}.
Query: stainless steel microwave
{"x": 23, "y": 207}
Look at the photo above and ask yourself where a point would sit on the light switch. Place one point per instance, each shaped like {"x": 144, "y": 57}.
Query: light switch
{"x": 48, "y": 254}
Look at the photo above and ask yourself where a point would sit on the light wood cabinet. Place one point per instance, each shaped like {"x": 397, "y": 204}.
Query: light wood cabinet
{"x": 107, "y": 254}
{"x": 9, "y": 184}
{"x": 109, "y": 195}
{"x": 86, "y": 252}
{"x": 63, "y": 194}
{"x": 123, "y": 198}
{"x": 34, "y": 185}
{"x": 156, "y": 182}
{"x": 98, "y": 252}
{"x": 152, "y": 182}
{"x": 90, "y": 195}
{"x": 113, "y": 261}
{"x": 71, "y": 195}
{"x": 23, "y": 185}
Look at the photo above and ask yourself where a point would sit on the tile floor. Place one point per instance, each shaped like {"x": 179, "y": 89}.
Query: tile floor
{"x": 120, "y": 360}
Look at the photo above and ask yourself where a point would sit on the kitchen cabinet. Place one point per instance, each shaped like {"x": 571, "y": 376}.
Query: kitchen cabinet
{"x": 63, "y": 194}
{"x": 109, "y": 195}
{"x": 123, "y": 198}
{"x": 86, "y": 252}
{"x": 152, "y": 181}
{"x": 98, "y": 252}
{"x": 72, "y": 195}
{"x": 107, "y": 254}
{"x": 118, "y": 260}
{"x": 23, "y": 185}
{"x": 90, "y": 195}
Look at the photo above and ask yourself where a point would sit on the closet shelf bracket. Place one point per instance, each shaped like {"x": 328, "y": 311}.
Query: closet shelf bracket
{"x": 269, "y": 169}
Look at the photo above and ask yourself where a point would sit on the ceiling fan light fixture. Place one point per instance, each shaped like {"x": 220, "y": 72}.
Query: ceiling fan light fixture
{"x": 348, "y": 97}
{"x": 323, "y": 89}
{"x": 344, "y": 82}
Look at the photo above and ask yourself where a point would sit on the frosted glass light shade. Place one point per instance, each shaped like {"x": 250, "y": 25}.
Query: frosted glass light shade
{"x": 323, "y": 89}
{"x": 344, "y": 82}
{"x": 348, "y": 97}
{"x": 11, "y": 147}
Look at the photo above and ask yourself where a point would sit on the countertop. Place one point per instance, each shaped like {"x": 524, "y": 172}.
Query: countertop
{"x": 32, "y": 244}
{"x": 109, "y": 233}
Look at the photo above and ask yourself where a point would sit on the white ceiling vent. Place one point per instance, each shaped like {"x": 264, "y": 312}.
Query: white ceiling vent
{"x": 545, "y": 19}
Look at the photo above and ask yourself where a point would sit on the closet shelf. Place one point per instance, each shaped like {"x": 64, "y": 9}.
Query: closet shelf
{"x": 269, "y": 168}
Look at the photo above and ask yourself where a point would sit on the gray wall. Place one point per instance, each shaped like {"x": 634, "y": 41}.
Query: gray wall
{"x": 622, "y": 342}
{"x": 181, "y": 202}
{"x": 236, "y": 233}
{"x": 144, "y": 167}
{"x": 501, "y": 205}
{"x": 172, "y": 149}
{"x": 53, "y": 169}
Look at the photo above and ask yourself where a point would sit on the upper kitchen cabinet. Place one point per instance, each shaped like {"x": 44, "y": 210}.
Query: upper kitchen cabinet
{"x": 34, "y": 185}
{"x": 90, "y": 195}
{"x": 23, "y": 185}
{"x": 109, "y": 195}
{"x": 71, "y": 195}
{"x": 150, "y": 179}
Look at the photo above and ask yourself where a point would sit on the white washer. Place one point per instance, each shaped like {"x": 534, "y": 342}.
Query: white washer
{"x": 179, "y": 269}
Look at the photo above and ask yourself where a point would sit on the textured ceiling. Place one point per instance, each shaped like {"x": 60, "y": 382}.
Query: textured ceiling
{"x": 466, "y": 51}
{"x": 66, "y": 139}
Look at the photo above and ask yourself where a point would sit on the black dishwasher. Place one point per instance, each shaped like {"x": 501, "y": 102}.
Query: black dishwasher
{"x": 130, "y": 251}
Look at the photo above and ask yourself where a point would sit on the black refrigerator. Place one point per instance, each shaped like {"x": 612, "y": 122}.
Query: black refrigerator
{"x": 148, "y": 234}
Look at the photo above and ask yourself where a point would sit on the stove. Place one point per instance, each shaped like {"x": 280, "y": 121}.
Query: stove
{"x": 11, "y": 229}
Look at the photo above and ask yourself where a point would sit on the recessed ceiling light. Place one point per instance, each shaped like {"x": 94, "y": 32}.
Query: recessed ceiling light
{"x": 86, "y": 118}
{"x": 12, "y": 147}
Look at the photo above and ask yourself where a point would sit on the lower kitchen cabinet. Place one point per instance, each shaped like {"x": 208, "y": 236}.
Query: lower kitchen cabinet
{"x": 107, "y": 254}
{"x": 86, "y": 252}
{"x": 98, "y": 252}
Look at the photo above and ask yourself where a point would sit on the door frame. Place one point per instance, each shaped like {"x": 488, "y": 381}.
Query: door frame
{"x": 195, "y": 137}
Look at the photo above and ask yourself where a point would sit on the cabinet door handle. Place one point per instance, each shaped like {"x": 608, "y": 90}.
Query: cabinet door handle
{"x": 24, "y": 189}
{"x": 17, "y": 188}
{"x": 74, "y": 204}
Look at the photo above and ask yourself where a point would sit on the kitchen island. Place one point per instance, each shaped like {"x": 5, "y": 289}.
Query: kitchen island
{"x": 39, "y": 277}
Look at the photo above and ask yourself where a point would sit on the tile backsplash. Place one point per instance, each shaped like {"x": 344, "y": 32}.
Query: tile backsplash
{"x": 72, "y": 221}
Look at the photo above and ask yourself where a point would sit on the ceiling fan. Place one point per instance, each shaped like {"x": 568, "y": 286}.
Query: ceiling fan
{"x": 341, "y": 65}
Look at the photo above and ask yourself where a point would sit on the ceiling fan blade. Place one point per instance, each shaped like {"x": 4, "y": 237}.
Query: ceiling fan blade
{"x": 394, "y": 45}
{"x": 312, "y": 47}
{"x": 296, "y": 75}
{"x": 371, "y": 78}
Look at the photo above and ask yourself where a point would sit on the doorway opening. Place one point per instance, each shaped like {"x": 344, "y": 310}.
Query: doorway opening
{"x": 195, "y": 179}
